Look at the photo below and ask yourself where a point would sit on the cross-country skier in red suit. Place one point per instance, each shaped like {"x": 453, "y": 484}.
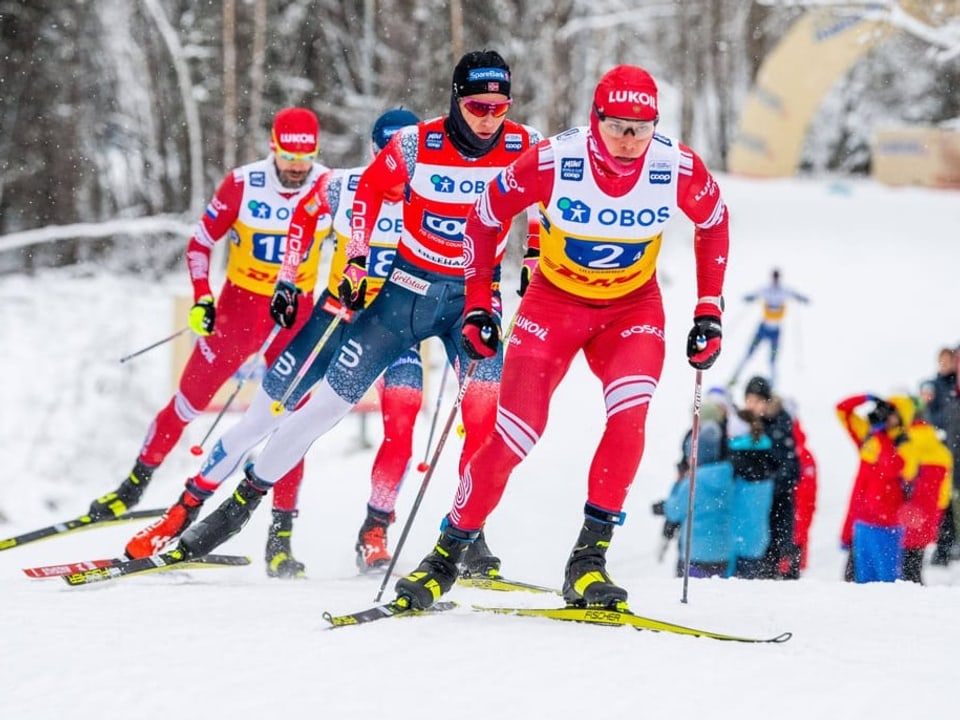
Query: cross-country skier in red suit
{"x": 605, "y": 194}
{"x": 252, "y": 206}
{"x": 444, "y": 164}
{"x": 305, "y": 360}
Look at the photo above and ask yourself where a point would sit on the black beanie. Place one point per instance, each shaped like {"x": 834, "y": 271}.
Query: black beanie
{"x": 758, "y": 386}
{"x": 481, "y": 71}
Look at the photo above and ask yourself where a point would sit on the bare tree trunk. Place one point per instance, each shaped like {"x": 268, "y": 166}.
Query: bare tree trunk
{"x": 456, "y": 30}
{"x": 368, "y": 50}
{"x": 229, "y": 84}
{"x": 721, "y": 80}
{"x": 688, "y": 50}
{"x": 252, "y": 144}
{"x": 190, "y": 109}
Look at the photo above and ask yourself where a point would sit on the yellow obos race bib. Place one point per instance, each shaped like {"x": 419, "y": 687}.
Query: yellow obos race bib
{"x": 601, "y": 268}
{"x": 259, "y": 234}
{"x": 592, "y": 244}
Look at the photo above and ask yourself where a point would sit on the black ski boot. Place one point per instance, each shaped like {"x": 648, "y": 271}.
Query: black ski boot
{"x": 125, "y": 497}
{"x": 586, "y": 581}
{"x": 371, "y": 547}
{"x": 226, "y": 521}
{"x": 437, "y": 572}
{"x": 279, "y": 556}
{"x": 478, "y": 561}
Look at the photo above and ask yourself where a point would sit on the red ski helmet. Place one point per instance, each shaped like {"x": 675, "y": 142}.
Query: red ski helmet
{"x": 296, "y": 130}
{"x": 628, "y": 92}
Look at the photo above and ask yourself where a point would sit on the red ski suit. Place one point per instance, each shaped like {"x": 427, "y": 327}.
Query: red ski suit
{"x": 805, "y": 495}
{"x": 877, "y": 494}
{"x": 595, "y": 289}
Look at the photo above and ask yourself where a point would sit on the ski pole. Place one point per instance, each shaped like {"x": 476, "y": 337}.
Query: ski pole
{"x": 158, "y": 343}
{"x": 278, "y": 405}
{"x": 694, "y": 448}
{"x": 662, "y": 550}
{"x": 424, "y": 466}
{"x": 198, "y": 449}
{"x": 471, "y": 368}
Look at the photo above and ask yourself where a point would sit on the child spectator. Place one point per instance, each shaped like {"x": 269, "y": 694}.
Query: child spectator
{"x": 710, "y": 532}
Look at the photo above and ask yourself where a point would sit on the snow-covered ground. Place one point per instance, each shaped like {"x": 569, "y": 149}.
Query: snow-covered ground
{"x": 880, "y": 269}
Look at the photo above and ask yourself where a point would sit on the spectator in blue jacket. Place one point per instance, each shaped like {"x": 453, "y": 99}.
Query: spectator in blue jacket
{"x": 710, "y": 534}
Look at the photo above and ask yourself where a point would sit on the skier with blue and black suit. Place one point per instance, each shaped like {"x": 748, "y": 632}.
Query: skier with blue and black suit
{"x": 444, "y": 164}
{"x": 332, "y": 195}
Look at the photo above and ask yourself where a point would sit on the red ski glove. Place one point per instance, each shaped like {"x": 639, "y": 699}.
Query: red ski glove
{"x": 480, "y": 334}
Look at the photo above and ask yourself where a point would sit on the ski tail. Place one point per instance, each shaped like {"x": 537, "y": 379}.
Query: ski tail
{"x": 502, "y": 584}
{"x": 395, "y": 608}
{"x": 82, "y": 522}
{"x": 162, "y": 562}
{"x": 49, "y": 571}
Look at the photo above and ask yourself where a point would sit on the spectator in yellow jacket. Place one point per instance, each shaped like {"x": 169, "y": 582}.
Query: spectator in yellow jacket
{"x": 927, "y": 476}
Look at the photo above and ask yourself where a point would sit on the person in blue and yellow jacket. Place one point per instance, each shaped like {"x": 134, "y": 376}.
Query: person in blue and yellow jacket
{"x": 775, "y": 297}
{"x": 927, "y": 481}
{"x": 871, "y": 530}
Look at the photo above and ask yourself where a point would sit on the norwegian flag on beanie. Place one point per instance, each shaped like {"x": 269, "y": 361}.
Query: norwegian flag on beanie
{"x": 479, "y": 72}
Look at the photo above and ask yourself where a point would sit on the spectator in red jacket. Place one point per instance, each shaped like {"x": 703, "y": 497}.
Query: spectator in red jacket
{"x": 805, "y": 495}
{"x": 871, "y": 530}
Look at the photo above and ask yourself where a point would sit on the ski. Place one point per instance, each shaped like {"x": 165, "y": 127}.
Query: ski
{"x": 623, "y": 616}
{"x": 173, "y": 560}
{"x": 396, "y": 608}
{"x": 49, "y": 571}
{"x": 502, "y": 584}
{"x": 83, "y": 522}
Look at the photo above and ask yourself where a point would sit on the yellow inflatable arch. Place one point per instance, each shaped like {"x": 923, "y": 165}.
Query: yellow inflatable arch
{"x": 817, "y": 51}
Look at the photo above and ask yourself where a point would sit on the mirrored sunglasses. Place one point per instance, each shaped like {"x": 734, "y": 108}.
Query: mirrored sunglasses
{"x": 480, "y": 109}
{"x": 619, "y": 127}
{"x": 295, "y": 157}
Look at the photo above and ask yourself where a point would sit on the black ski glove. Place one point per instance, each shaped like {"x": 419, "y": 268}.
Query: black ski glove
{"x": 283, "y": 305}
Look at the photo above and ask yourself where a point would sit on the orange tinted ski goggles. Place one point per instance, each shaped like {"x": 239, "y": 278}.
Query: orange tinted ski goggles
{"x": 480, "y": 109}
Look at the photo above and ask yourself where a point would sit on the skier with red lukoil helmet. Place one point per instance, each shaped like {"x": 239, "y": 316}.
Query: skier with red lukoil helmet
{"x": 252, "y": 206}
{"x": 605, "y": 193}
